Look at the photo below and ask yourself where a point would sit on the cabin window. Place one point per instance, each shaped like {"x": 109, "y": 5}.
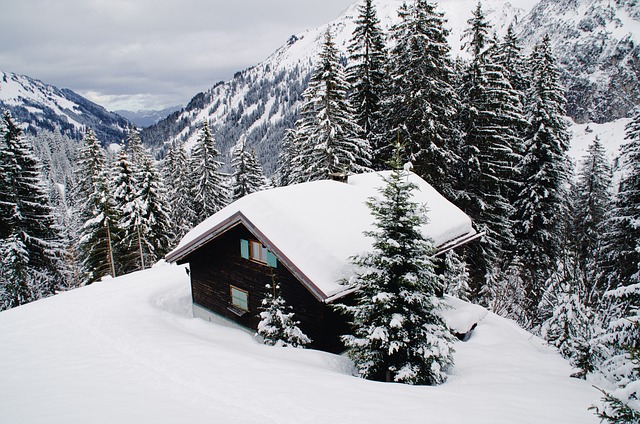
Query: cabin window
{"x": 239, "y": 298}
{"x": 255, "y": 251}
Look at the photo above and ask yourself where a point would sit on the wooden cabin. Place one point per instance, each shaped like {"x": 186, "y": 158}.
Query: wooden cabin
{"x": 301, "y": 236}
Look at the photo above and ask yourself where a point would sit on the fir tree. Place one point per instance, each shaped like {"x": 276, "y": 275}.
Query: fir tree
{"x": 27, "y": 224}
{"x": 492, "y": 113}
{"x": 593, "y": 203}
{"x": 421, "y": 102}
{"x": 155, "y": 223}
{"x": 247, "y": 175}
{"x": 366, "y": 76}
{"x": 326, "y": 132}
{"x": 397, "y": 333}
{"x": 569, "y": 327}
{"x": 455, "y": 276}
{"x": 129, "y": 211}
{"x": 288, "y": 172}
{"x": 541, "y": 204}
{"x": 179, "y": 192}
{"x": 209, "y": 184}
{"x": 277, "y": 325}
{"x": 99, "y": 230}
{"x": 624, "y": 245}
{"x": 622, "y": 405}
{"x": 509, "y": 56}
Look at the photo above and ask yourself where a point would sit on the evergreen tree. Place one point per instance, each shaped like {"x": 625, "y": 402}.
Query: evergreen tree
{"x": 623, "y": 338}
{"x": 509, "y": 56}
{"x": 397, "y": 333}
{"x": 624, "y": 244}
{"x": 421, "y": 102}
{"x": 179, "y": 192}
{"x": 569, "y": 327}
{"x": 366, "y": 76}
{"x": 125, "y": 182}
{"x": 209, "y": 184}
{"x": 541, "y": 204}
{"x": 277, "y": 325}
{"x": 326, "y": 132}
{"x": 155, "y": 222}
{"x": 455, "y": 276}
{"x": 98, "y": 233}
{"x": 492, "y": 113}
{"x": 593, "y": 203}
{"x": 28, "y": 232}
{"x": 288, "y": 172}
{"x": 247, "y": 175}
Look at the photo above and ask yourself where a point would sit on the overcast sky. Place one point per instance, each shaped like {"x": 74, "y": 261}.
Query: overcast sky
{"x": 148, "y": 54}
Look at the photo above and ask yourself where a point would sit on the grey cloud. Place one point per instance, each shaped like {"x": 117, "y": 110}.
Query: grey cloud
{"x": 155, "y": 52}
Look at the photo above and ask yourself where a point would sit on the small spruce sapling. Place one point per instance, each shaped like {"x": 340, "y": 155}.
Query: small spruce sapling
{"x": 277, "y": 325}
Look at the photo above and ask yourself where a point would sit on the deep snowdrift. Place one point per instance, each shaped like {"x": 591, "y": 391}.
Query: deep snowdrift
{"x": 127, "y": 351}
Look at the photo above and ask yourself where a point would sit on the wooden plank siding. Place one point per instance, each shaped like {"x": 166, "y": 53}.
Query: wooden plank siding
{"x": 217, "y": 265}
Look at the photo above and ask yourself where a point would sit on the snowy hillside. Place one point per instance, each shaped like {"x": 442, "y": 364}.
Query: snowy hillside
{"x": 261, "y": 102}
{"x": 36, "y": 106}
{"x": 597, "y": 43}
{"x": 127, "y": 351}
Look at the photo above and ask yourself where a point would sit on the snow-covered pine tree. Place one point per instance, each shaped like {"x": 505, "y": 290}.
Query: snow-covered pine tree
{"x": 278, "y": 326}
{"x": 210, "y": 187}
{"x": 569, "y": 327}
{"x": 509, "y": 56}
{"x": 27, "y": 225}
{"x": 326, "y": 132}
{"x": 247, "y": 175}
{"x": 155, "y": 223}
{"x": 179, "y": 192}
{"x": 421, "y": 103}
{"x": 366, "y": 76}
{"x": 624, "y": 240}
{"x": 97, "y": 213}
{"x": 397, "y": 334}
{"x": 592, "y": 212}
{"x": 491, "y": 114}
{"x": 455, "y": 276}
{"x": 541, "y": 204}
{"x": 621, "y": 406}
{"x": 288, "y": 173}
{"x": 622, "y": 366}
{"x": 125, "y": 184}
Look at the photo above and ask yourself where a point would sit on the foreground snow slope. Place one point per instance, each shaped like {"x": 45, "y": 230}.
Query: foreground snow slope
{"x": 127, "y": 351}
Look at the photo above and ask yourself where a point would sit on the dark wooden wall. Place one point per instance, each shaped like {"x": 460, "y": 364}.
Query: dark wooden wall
{"x": 218, "y": 264}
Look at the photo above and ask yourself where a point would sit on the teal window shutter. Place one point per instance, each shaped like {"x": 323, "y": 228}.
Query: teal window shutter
{"x": 244, "y": 248}
{"x": 272, "y": 261}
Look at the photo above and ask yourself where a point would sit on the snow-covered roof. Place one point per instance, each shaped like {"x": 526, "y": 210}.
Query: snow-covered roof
{"x": 314, "y": 228}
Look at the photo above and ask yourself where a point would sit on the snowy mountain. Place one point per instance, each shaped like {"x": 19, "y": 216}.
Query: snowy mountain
{"x": 36, "y": 105}
{"x": 597, "y": 43}
{"x": 127, "y": 350}
{"x": 261, "y": 102}
{"x": 146, "y": 118}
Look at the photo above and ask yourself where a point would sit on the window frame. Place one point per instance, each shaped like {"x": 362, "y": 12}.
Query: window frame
{"x": 261, "y": 256}
{"x": 239, "y": 306}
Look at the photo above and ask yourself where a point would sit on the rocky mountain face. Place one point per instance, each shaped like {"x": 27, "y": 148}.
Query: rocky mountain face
{"x": 597, "y": 43}
{"x": 38, "y": 106}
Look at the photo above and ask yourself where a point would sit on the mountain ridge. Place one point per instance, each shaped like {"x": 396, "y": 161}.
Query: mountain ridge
{"x": 39, "y": 106}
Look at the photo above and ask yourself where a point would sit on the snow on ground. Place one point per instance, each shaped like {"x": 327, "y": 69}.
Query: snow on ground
{"x": 128, "y": 351}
